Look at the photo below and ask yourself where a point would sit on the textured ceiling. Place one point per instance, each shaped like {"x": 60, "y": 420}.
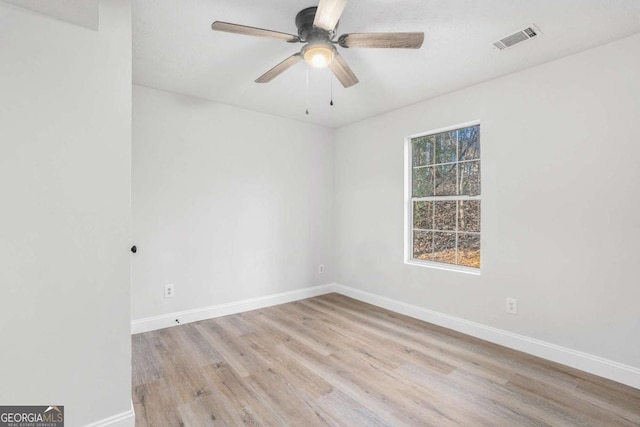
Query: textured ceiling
{"x": 78, "y": 12}
{"x": 175, "y": 49}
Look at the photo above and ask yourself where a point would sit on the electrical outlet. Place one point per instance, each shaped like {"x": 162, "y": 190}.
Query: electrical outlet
{"x": 320, "y": 268}
{"x": 512, "y": 306}
{"x": 168, "y": 291}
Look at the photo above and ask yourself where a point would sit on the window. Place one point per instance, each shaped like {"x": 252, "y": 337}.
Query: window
{"x": 443, "y": 203}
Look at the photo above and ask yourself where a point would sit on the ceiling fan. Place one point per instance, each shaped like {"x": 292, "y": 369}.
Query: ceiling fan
{"x": 317, "y": 30}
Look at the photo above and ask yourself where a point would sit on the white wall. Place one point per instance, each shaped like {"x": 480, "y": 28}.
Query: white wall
{"x": 560, "y": 205}
{"x": 228, "y": 204}
{"x": 65, "y": 143}
{"x": 84, "y": 13}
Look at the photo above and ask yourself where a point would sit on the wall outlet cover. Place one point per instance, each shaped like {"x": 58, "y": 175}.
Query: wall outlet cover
{"x": 169, "y": 291}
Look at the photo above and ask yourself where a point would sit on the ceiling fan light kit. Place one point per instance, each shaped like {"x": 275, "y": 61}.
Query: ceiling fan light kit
{"x": 317, "y": 30}
{"x": 319, "y": 55}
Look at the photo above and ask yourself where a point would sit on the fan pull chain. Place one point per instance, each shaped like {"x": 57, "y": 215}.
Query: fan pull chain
{"x": 307, "y": 101}
{"x": 331, "y": 85}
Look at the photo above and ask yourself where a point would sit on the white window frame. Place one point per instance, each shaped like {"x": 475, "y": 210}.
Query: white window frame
{"x": 408, "y": 208}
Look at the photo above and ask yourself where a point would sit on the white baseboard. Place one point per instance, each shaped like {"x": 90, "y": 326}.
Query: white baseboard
{"x": 596, "y": 365}
{"x": 124, "y": 419}
{"x": 188, "y": 316}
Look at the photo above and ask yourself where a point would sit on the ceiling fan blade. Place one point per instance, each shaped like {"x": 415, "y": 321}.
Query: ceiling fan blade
{"x": 382, "y": 40}
{"x": 252, "y": 31}
{"x": 328, "y": 13}
{"x": 280, "y": 68}
{"x": 342, "y": 71}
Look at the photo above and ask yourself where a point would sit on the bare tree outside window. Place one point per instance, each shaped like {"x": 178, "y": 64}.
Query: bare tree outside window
{"x": 445, "y": 197}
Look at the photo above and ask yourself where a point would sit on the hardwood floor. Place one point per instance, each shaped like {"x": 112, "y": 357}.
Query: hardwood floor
{"x": 331, "y": 360}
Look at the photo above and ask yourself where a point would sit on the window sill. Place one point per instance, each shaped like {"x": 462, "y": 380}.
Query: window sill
{"x": 447, "y": 267}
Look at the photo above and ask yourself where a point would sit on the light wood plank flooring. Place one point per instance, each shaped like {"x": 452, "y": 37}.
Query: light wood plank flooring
{"x": 331, "y": 360}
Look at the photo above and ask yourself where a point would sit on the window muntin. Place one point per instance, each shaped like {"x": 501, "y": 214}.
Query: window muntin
{"x": 445, "y": 197}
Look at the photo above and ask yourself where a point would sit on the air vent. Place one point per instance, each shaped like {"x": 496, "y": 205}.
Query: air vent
{"x": 517, "y": 37}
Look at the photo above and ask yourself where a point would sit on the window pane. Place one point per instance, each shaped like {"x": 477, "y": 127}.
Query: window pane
{"x": 469, "y": 178}
{"x": 445, "y": 215}
{"x": 446, "y": 180}
{"x": 422, "y": 245}
{"x": 469, "y": 143}
{"x": 423, "y": 215}
{"x": 469, "y": 250}
{"x": 423, "y": 150}
{"x": 444, "y": 247}
{"x": 423, "y": 182}
{"x": 419, "y": 152}
{"x": 446, "y": 147}
{"x": 469, "y": 215}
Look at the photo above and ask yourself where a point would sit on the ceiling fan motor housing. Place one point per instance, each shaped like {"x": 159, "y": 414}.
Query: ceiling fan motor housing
{"x": 306, "y": 30}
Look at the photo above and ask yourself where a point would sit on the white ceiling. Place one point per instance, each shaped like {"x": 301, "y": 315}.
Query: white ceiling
{"x": 78, "y": 12}
{"x": 175, "y": 49}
